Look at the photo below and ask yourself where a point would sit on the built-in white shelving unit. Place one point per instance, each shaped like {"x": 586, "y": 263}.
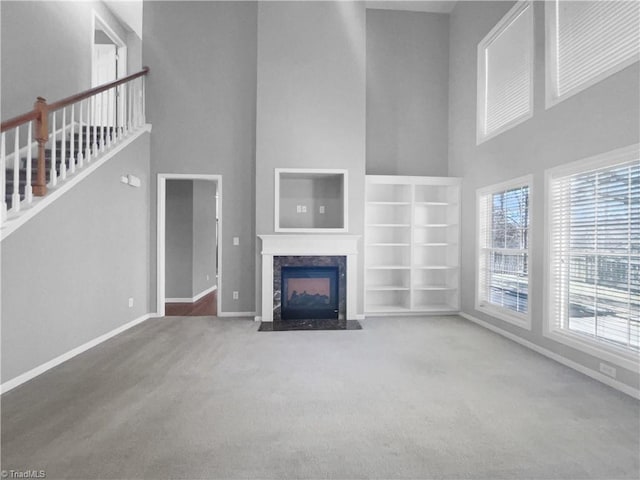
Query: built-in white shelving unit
{"x": 412, "y": 245}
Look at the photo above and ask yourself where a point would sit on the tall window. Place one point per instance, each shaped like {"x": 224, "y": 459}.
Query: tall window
{"x": 505, "y": 65}
{"x": 588, "y": 41}
{"x": 594, "y": 252}
{"x": 503, "y": 251}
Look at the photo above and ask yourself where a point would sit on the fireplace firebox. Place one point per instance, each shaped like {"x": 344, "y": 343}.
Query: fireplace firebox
{"x": 309, "y": 292}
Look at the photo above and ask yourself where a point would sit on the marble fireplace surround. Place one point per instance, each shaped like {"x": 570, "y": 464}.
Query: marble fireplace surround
{"x": 308, "y": 246}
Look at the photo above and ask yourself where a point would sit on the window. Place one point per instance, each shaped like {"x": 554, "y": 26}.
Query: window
{"x": 588, "y": 41}
{"x": 594, "y": 255}
{"x": 503, "y": 251}
{"x": 505, "y": 86}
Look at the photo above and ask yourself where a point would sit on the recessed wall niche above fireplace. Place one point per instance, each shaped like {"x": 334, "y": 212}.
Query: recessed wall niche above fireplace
{"x": 309, "y": 200}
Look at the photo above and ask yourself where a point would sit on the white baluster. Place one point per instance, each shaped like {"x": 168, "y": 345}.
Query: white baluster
{"x": 144, "y": 108}
{"x": 80, "y": 135}
{"x": 15, "y": 198}
{"x": 54, "y": 174}
{"x": 72, "y": 140}
{"x": 28, "y": 189}
{"x": 129, "y": 106}
{"x": 139, "y": 102}
{"x": 103, "y": 110}
{"x": 119, "y": 113}
{"x": 109, "y": 114}
{"x": 87, "y": 132}
{"x": 94, "y": 101}
{"x": 134, "y": 102}
{"x": 63, "y": 149}
{"x": 3, "y": 174}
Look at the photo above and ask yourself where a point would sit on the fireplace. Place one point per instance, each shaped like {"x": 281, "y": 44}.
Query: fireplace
{"x": 279, "y": 251}
{"x": 309, "y": 292}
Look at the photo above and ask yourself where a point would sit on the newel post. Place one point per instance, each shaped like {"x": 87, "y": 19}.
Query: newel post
{"x": 41, "y": 136}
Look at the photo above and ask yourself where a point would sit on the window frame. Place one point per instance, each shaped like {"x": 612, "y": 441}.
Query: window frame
{"x": 601, "y": 350}
{"x": 482, "y": 73}
{"x": 515, "y": 318}
{"x": 551, "y": 60}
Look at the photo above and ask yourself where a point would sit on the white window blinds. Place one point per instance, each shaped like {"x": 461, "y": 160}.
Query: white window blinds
{"x": 503, "y": 270}
{"x": 595, "y": 254}
{"x": 587, "y": 41}
{"x": 505, "y": 72}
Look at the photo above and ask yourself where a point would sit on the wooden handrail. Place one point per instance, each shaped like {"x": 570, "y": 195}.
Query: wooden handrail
{"x": 52, "y": 107}
{"x": 40, "y": 113}
{"x": 19, "y": 120}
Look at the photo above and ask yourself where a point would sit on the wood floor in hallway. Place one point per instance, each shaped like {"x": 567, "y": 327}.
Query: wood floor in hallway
{"x": 207, "y": 305}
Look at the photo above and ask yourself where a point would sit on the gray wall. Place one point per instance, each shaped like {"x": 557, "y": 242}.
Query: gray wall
{"x": 201, "y": 101}
{"x": 407, "y": 93}
{"x": 600, "y": 118}
{"x": 204, "y": 235}
{"x": 311, "y": 100}
{"x": 179, "y": 239}
{"x": 313, "y": 193}
{"x": 67, "y": 274}
{"x": 51, "y": 37}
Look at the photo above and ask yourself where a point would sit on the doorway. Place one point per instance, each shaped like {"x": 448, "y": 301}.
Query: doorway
{"x": 108, "y": 63}
{"x": 189, "y": 274}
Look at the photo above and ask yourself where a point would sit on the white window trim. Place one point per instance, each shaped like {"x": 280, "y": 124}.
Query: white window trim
{"x": 600, "y": 350}
{"x": 551, "y": 61}
{"x": 481, "y": 102}
{"x": 515, "y": 318}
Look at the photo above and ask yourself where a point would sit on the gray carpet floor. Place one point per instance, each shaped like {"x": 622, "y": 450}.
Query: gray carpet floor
{"x": 203, "y": 397}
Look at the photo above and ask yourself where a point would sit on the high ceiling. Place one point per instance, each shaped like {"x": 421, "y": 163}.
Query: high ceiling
{"x": 441, "y": 6}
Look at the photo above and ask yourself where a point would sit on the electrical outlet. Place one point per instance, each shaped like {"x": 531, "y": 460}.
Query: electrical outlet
{"x": 236, "y": 241}
{"x": 608, "y": 370}
{"x": 304, "y": 209}
{"x": 130, "y": 302}
{"x": 298, "y": 208}
{"x": 321, "y": 209}
{"x": 235, "y": 295}
{"x": 207, "y": 278}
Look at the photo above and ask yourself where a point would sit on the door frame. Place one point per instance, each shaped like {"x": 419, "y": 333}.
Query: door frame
{"x": 121, "y": 47}
{"x": 161, "y": 235}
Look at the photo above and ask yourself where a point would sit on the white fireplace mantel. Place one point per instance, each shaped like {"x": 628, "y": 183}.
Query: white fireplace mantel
{"x": 308, "y": 245}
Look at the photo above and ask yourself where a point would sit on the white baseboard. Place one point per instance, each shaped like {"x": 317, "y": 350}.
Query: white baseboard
{"x": 206, "y": 291}
{"x": 237, "y": 314}
{"x": 360, "y": 316}
{"x": 191, "y": 299}
{"x": 34, "y": 372}
{"x": 613, "y": 383}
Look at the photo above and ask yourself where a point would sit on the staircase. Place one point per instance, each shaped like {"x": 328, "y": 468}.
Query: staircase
{"x": 41, "y": 148}
{"x": 95, "y": 139}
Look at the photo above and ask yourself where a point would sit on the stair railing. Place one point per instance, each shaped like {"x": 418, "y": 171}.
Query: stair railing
{"x": 64, "y": 136}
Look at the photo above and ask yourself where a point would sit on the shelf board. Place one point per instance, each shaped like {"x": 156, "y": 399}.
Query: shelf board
{"x": 389, "y": 267}
{"x": 435, "y": 267}
{"x": 388, "y": 203}
{"x": 388, "y": 245}
{"x": 387, "y": 309}
{"x": 435, "y": 204}
{"x": 439, "y": 225}
{"x": 435, "y": 308}
{"x": 388, "y": 288}
{"x": 434, "y": 244}
{"x": 434, "y": 288}
{"x": 391, "y": 225}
